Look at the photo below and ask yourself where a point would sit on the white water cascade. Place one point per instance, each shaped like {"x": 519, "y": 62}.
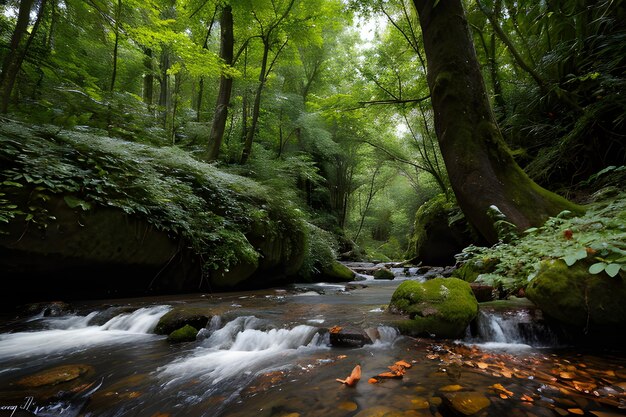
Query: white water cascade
{"x": 244, "y": 347}
{"x": 511, "y": 330}
{"x": 73, "y": 333}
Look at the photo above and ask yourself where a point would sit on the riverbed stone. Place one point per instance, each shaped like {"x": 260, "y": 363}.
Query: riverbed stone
{"x": 349, "y": 336}
{"x": 589, "y": 303}
{"x": 180, "y": 316}
{"x": 441, "y": 307}
{"x": 465, "y": 403}
{"x": 55, "y": 376}
{"x": 383, "y": 273}
{"x": 335, "y": 272}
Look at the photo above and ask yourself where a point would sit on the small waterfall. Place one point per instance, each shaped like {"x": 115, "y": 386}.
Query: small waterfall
{"x": 509, "y": 328}
{"x": 244, "y": 347}
{"x": 73, "y": 332}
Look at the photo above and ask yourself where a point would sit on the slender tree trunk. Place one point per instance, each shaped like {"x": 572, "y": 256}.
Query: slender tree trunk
{"x": 118, "y": 14}
{"x": 227, "y": 43}
{"x": 13, "y": 59}
{"x": 164, "y": 93}
{"x": 481, "y": 169}
{"x": 148, "y": 78}
{"x": 205, "y": 45}
{"x": 256, "y": 109}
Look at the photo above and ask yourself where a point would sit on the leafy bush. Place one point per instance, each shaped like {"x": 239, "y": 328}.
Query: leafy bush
{"x": 598, "y": 239}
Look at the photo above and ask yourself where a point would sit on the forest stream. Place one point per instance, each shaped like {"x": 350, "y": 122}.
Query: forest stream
{"x": 267, "y": 353}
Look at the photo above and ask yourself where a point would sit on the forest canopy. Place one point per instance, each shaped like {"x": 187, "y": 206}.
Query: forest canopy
{"x": 326, "y": 102}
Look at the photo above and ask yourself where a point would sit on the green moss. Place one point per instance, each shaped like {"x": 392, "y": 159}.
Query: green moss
{"x": 470, "y": 270}
{"x": 337, "y": 272}
{"x": 574, "y": 296}
{"x": 441, "y": 306}
{"x": 383, "y": 273}
{"x": 186, "y": 333}
{"x": 181, "y": 316}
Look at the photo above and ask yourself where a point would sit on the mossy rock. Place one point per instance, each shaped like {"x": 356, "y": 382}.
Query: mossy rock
{"x": 181, "y": 316}
{"x": 471, "y": 269}
{"x": 439, "y": 232}
{"x": 383, "y": 273}
{"x": 590, "y": 303}
{"x": 443, "y": 307}
{"x": 186, "y": 333}
{"x": 336, "y": 272}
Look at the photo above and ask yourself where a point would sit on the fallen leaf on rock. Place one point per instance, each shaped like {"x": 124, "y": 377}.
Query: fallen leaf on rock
{"x": 527, "y": 398}
{"x": 566, "y": 375}
{"x": 354, "y": 377}
{"x": 335, "y": 329}
{"x": 503, "y": 392}
{"x": 482, "y": 365}
{"x": 389, "y": 375}
{"x": 342, "y": 356}
{"x": 373, "y": 381}
{"x": 577, "y": 411}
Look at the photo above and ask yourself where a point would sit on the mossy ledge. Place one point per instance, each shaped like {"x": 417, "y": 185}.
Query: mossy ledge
{"x": 86, "y": 215}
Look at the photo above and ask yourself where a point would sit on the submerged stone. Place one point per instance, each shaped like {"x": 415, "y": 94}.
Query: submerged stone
{"x": 54, "y": 376}
{"x": 465, "y": 403}
{"x": 181, "y": 316}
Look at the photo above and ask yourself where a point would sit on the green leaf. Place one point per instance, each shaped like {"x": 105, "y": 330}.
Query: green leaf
{"x": 570, "y": 260}
{"x": 12, "y": 183}
{"x": 612, "y": 269}
{"x": 73, "y": 202}
{"x": 435, "y": 3}
{"x": 597, "y": 268}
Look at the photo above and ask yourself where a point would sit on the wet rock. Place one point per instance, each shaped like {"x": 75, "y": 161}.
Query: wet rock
{"x": 482, "y": 292}
{"x": 179, "y": 316}
{"x": 336, "y": 272}
{"x": 465, "y": 403}
{"x": 186, "y": 333}
{"x": 384, "y": 273}
{"x": 348, "y": 337}
{"x": 49, "y": 309}
{"x": 54, "y": 376}
{"x": 441, "y": 307}
{"x": 590, "y": 304}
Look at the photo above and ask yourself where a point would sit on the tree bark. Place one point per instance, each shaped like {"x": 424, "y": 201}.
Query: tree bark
{"x": 227, "y": 43}
{"x": 148, "y": 79}
{"x": 13, "y": 59}
{"x": 118, "y": 15}
{"x": 481, "y": 169}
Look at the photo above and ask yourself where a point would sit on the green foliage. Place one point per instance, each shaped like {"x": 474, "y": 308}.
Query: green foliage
{"x": 209, "y": 209}
{"x": 596, "y": 240}
{"x": 321, "y": 252}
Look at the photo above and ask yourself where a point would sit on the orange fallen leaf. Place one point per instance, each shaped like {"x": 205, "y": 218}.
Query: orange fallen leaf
{"x": 354, "y": 377}
{"x": 342, "y": 356}
{"x": 503, "y": 392}
{"x": 403, "y": 363}
{"x": 373, "y": 381}
{"x": 527, "y": 398}
{"x": 566, "y": 375}
{"x": 576, "y": 411}
{"x": 482, "y": 365}
{"x": 335, "y": 329}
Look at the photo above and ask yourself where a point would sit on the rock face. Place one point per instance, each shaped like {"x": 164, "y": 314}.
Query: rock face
{"x": 186, "y": 333}
{"x": 348, "y": 337}
{"x": 436, "y": 239}
{"x": 181, "y": 316}
{"x": 335, "y": 272}
{"x": 442, "y": 307}
{"x": 384, "y": 273}
{"x": 588, "y": 303}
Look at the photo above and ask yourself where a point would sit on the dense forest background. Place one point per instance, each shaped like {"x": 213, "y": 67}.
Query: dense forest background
{"x": 324, "y": 102}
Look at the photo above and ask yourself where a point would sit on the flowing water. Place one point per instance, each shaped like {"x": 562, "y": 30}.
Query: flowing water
{"x": 267, "y": 354}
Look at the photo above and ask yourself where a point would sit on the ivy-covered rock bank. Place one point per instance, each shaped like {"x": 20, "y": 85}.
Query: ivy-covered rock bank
{"x": 85, "y": 214}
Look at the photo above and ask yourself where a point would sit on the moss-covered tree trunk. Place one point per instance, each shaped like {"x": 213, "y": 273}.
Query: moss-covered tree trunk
{"x": 481, "y": 169}
{"x": 226, "y": 84}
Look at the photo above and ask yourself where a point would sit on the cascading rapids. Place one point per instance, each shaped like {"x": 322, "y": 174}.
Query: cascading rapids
{"x": 245, "y": 346}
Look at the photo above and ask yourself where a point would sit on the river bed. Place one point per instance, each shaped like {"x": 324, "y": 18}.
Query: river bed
{"x": 267, "y": 354}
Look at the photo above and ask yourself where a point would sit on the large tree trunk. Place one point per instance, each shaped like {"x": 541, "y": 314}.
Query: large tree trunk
{"x": 481, "y": 169}
{"x": 227, "y": 43}
{"x": 256, "y": 109}
{"x": 13, "y": 59}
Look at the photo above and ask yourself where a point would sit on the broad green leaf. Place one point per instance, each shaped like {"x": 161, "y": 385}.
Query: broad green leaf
{"x": 73, "y": 202}
{"x": 612, "y": 269}
{"x": 597, "y": 268}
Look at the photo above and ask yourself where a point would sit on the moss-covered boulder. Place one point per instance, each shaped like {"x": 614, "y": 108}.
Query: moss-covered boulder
{"x": 592, "y": 304}
{"x": 440, "y": 232}
{"x": 186, "y": 333}
{"x": 181, "y": 316}
{"x": 442, "y": 307}
{"x": 335, "y": 272}
{"x": 471, "y": 269}
{"x": 383, "y": 273}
